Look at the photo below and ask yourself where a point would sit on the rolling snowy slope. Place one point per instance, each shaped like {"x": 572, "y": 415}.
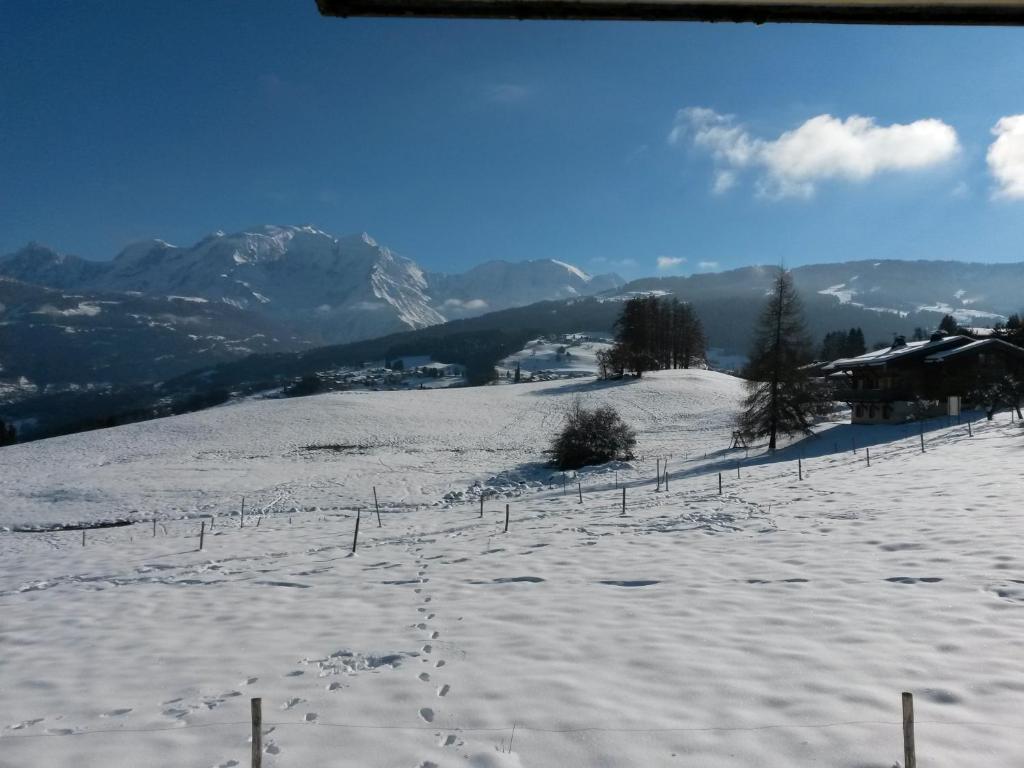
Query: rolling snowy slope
{"x": 774, "y": 624}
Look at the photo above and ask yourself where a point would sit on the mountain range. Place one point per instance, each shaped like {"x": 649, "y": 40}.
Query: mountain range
{"x": 233, "y": 313}
{"x": 70, "y": 321}
{"x": 327, "y": 289}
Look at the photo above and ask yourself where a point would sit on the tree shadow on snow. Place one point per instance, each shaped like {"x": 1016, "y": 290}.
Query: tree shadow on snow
{"x": 581, "y": 386}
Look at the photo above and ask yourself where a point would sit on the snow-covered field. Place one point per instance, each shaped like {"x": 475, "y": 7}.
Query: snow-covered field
{"x": 772, "y": 625}
{"x": 576, "y": 356}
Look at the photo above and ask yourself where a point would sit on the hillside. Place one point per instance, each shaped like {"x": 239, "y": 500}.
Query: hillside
{"x": 789, "y": 613}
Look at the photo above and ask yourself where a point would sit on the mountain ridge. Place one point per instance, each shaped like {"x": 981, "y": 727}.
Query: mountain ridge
{"x": 329, "y": 289}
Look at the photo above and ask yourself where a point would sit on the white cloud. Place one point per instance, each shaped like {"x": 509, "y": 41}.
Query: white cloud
{"x": 1006, "y": 156}
{"x": 708, "y": 265}
{"x": 670, "y": 262}
{"x": 823, "y": 147}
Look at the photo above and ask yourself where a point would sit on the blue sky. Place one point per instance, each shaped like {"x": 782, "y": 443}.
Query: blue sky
{"x": 456, "y": 142}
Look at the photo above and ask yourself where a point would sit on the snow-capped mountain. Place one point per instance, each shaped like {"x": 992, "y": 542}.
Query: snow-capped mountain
{"x": 497, "y": 285}
{"x": 329, "y": 289}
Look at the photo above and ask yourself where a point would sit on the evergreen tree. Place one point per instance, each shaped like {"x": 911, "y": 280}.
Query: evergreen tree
{"x": 855, "y": 345}
{"x": 841, "y": 344}
{"x": 8, "y": 434}
{"x": 949, "y": 325}
{"x": 781, "y": 398}
{"x": 519, "y": 375}
{"x": 633, "y": 336}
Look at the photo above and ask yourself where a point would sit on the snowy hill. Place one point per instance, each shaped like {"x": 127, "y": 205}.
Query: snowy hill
{"x": 773, "y": 624}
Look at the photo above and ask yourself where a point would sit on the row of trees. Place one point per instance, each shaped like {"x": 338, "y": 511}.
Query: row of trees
{"x": 840, "y": 344}
{"x": 654, "y": 333}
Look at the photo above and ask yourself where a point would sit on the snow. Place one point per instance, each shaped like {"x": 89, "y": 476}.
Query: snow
{"x": 961, "y": 314}
{"x": 573, "y": 270}
{"x": 772, "y": 625}
{"x": 572, "y": 355}
{"x": 84, "y": 309}
{"x": 841, "y": 292}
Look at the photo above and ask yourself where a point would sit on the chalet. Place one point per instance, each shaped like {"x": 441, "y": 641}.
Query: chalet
{"x": 911, "y": 379}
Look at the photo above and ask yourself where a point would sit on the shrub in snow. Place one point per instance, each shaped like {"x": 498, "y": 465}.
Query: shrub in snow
{"x": 592, "y": 436}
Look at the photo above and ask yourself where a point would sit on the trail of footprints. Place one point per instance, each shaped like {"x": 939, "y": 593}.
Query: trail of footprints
{"x": 440, "y": 689}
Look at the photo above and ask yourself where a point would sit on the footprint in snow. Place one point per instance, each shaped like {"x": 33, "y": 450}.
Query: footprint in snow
{"x": 117, "y": 712}
{"x": 310, "y": 717}
{"x": 425, "y": 677}
{"x": 295, "y": 700}
{"x": 427, "y": 714}
{"x": 443, "y": 690}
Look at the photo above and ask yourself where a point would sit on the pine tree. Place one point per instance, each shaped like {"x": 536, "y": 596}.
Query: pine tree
{"x": 519, "y": 375}
{"x": 634, "y": 335}
{"x": 781, "y": 398}
{"x": 949, "y": 325}
{"x": 855, "y": 345}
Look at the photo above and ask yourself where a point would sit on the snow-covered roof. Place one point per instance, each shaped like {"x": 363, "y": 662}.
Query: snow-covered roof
{"x": 974, "y": 346}
{"x": 888, "y": 354}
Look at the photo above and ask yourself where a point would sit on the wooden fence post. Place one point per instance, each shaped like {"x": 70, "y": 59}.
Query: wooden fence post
{"x": 83, "y": 537}
{"x": 377, "y": 507}
{"x": 922, "y": 437}
{"x": 256, "y": 706}
{"x": 563, "y": 484}
{"x": 737, "y": 470}
{"x": 800, "y": 468}
{"x": 154, "y": 526}
{"x": 580, "y": 485}
{"x": 869, "y": 456}
{"x": 970, "y": 433}
{"x": 719, "y": 483}
{"x": 506, "y": 518}
{"x": 909, "y": 753}
{"x": 241, "y": 515}
{"x": 666, "y": 477}
{"x": 481, "y": 505}
{"x": 355, "y": 536}
{"x": 202, "y": 534}
{"x": 623, "y": 499}
{"x": 658, "y": 473}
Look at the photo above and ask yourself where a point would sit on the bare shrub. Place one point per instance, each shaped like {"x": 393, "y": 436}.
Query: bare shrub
{"x": 592, "y": 436}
